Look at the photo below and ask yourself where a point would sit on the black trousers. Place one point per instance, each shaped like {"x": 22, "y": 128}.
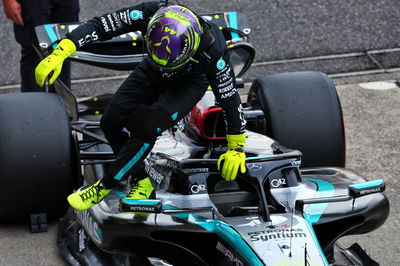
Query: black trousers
{"x": 36, "y": 13}
{"x": 143, "y": 107}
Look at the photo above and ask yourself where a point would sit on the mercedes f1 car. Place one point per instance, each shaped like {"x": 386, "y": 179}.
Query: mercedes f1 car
{"x": 290, "y": 207}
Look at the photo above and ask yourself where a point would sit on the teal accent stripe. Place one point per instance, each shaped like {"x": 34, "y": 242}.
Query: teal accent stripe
{"x": 325, "y": 189}
{"x": 368, "y": 184}
{"x": 310, "y": 226}
{"x": 52, "y": 35}
{"x": 233, "y": 23}
{"x": 225, "y": 232}
{"x": 100, "y": 233}
{"x": 141, "y": 202}
{"x": 233, "y": 238}
{"x": 260, "y": 157}
{"x": 174, "y": 116}
{"x": 120, "y": 194}
{"x": 313, "y": 212}
{"x": 132, "y": 162}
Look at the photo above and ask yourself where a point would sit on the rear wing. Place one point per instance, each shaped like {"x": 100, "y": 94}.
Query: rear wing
{"x": 126, "y": 51}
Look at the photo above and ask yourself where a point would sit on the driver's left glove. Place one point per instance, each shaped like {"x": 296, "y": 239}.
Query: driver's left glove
{"x": 234, "y": 158}
{"x": 53, "y": 63}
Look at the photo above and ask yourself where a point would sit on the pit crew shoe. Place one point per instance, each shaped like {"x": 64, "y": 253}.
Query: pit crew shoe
{"x": 142, "y": 189}
{"x": 87, "y": 198}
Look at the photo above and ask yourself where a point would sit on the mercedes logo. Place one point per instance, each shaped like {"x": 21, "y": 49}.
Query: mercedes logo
{"x": 254, "y": 166}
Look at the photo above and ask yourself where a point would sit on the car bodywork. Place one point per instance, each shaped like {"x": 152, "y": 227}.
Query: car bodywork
{"x": 267, "y": 216}
{"x": 275, "y": 214}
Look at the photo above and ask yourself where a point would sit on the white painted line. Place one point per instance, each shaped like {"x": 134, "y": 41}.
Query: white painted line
{"x": 379, "y": 85}
{"x": 325, "y": 57}
{"x": 365, "y": 73}
{"x": 99, "y": 79}
{"x": 8, "y": 87}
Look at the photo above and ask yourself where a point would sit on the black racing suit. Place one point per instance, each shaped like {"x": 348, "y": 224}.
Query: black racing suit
{"x": 149, "y": 101}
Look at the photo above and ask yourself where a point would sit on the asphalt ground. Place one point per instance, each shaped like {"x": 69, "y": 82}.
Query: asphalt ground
{"x": 282, "y": 30}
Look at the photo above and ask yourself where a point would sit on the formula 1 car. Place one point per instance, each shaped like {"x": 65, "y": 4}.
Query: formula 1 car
{"x": 290, "y": 207}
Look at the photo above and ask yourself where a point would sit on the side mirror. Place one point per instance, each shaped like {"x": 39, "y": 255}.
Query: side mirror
{"x": 137, "y": 205}
{"x": 355, "y": 191}
{"x": 156, "y": 206}
{"x": 241, "y": 56}
{"x": 366, "y": 188}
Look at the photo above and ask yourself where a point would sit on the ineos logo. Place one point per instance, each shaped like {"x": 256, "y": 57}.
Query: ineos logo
{"x": 254, "y": 166}
{"x": 197, "y": 188}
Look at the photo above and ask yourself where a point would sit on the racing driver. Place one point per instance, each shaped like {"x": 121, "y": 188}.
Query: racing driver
{"x": 186, "y": 55}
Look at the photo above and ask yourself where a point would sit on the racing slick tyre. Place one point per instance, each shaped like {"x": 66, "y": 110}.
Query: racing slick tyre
{"x": 302, "y": 111}
{"x": 37, "y": 161}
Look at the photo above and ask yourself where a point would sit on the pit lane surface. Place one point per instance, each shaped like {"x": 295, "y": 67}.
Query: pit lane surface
{"x": 281, "y": 30}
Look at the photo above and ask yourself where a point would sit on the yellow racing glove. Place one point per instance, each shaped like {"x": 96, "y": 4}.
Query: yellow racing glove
{"x": 234, "y": 158}
{"x": 53, "y": 63}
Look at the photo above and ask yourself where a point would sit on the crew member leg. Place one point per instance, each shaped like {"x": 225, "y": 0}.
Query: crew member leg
{"x": 65, "y": 11}
{"x": 38, "y": 13}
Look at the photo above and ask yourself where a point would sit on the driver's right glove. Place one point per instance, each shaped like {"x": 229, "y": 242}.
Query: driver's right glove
{"x": 234, "y": 159}
{"x": 53, "y": 63}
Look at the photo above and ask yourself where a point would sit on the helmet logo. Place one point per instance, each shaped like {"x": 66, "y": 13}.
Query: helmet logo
{"x": 173, "y": 32}
{"x": 136, "y": 14}
{"x": 162, "y": 61}
{"x": 166, "y": 46}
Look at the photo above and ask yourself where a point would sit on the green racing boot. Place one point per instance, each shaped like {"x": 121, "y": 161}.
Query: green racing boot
{"x": 141, "y": 189}
{"x": 87, "y": 198}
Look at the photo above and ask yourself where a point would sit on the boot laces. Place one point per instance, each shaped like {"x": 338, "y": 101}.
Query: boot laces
{"x": 134, "y": 188}
{"x": 91, "y": 192}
